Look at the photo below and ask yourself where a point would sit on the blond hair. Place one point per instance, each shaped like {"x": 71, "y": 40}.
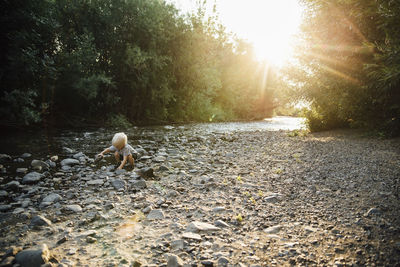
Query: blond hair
{"x": 120, "y": 140}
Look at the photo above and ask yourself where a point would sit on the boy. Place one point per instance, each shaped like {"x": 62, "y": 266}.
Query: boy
{"x": 121, "y": 148}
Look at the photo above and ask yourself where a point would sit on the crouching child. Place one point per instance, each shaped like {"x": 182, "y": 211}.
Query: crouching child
{"x": 121, "y": 149}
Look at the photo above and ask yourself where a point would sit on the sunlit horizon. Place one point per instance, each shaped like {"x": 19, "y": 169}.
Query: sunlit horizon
{"x": 269, "y": 25}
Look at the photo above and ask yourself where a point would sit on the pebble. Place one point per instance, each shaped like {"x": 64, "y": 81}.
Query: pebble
{"x": 174, "y": 261}
{"x": 196, "y": 227}
{"x": 273, "y": 229}
{"x": 156, "y": 214}
{"x": 190, "y": 235}
{"x": 73, "y": 208}
{"x": 69, "y": 162}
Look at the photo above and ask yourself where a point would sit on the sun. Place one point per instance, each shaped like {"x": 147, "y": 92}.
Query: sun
{"x": 270, "y": 25}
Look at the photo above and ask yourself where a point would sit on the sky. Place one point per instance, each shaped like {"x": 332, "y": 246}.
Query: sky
{"x": 269, "y": 24}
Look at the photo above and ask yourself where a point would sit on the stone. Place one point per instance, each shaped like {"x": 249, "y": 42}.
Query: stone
{"x": 39, "y": 164}
{"x": 156, "y": 214}
{"x": 138, "y": 183}
{"x": 118, "y": 184}
{"x": 220, "y": 223}
{"x": 54, "y": 158}
{"x": 196, "y": 227}
{"x": 159, "y": 159}
{"x": 273, "y": 229}
{"x": 190, "y": 235}
{"x": 177, "y": 244}
{"x": 79, "y": 155}
{"x": 32, "y": 177}
{"x": 174, "y": 261}
{"x": 33, "y": 258}
{"x": 3, "y": 194}
{"x": 68, "y": 150}
{"x": 39, "y": 220}
{"x": 26, "y": 155}
{"x": 146, "y": 172}
{"x": 222, "y": 261}
{"x": 90, "y": 239}
{"x": 372, "y": 211}
{"x": 4, "y": 208}
{"x": 4, "y": 158}
{"x": 69, "y": 162}
{"x": 22, "y": 170}
{"x": 52, "y": 198}
{"x": 13, "y": 186}
{"x": 95, "y": 182}
{"x": 120, "y": 171}
{"x": 218, "y": 209}
{"x": 271, "y": 199}
{"x": 7, "y": 261}
{"x": 73, "y": 208}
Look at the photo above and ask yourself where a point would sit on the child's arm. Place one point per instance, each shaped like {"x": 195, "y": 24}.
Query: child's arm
{"x": 107, "y": 150}
{"x": 123, "y": 162}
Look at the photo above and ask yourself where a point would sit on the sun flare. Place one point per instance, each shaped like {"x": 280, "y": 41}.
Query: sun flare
{"x": 269, "y": 25}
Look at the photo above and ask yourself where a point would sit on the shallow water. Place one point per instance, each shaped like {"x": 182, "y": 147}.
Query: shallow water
{"x": 45, "y": 143}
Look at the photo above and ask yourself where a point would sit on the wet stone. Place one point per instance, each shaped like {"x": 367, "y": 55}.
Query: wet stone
{"x": 32, "y": 177}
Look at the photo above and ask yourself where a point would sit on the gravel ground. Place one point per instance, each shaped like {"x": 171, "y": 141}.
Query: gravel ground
{"x": 256, "y": 198}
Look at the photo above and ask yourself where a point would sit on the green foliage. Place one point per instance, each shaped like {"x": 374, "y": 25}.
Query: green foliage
{"x": 119, "y": 121}
{"x": 349, "y": 64}
{"x": 138, "y": 59}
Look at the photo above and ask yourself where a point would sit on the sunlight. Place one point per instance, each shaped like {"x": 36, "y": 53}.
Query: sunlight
{"x": 269, "y": 25}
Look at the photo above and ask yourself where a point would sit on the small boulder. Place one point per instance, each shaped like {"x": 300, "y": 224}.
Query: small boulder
{"x": 146, "y": 172}
{"x": 174, "y": 261}
{"x": 52, "y": 198}
{"x": 32, "y": 177}
{"x": 196, "y": 227}
{"x": 73, "y": 208}
{"x": 118, "y": 184}
{"x": 69, "y": 162}
{"x": 33, "y": 258}
{"x": 39, "y": 164}
{"x": 40, "y": 221}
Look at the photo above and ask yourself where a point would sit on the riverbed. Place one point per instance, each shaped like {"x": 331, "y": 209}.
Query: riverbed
{"x": 230, "y": 194}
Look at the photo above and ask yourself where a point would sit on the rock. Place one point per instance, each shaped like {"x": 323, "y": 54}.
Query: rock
{"x": 372, "y": 211}
{"x": 177, "y": 244}
{"x": 146, "y": 172}
{"x": 54, "y": 158}
{"x": 120, "y": 171}
{"x": 196, "y": 227}
{"x": 33, "y": 258}
{"x": 139, "y": 184}
{"x": 79, "y": 155}
{"x": 22, "y": 170}
{"x": 3, "y": 194}
{"x": 96, "y": 182}
{"x": 147, "y": 209}
{"x": 220, "y": 223}
{"x": 4, "y": 158}
{"x": 69, "y": 162}
{"x": 174, "y": 261}
{"x": 7, "y": 261}
{"x": 218, "y": 209}
{"x": 26, "y": 155}
{"x": 273, "y": 229}
{"x": 159, "y": 159}
{"x": 222, "y": 261}
{"x": 31, "y": 178}
{"x": 68, "y": 150}
{"x": 13, "y": 186}
{"x": 19, "y": 160}
{"x": 38, "y": 164}
{"x": 52, "y": 198}
{"x": 73, "y": 208}
{"x": 4, "y": 208}
{"x": 118, "y": 184}
{"x": 90, "y": 239}
{"x": 190, "y": 235}
{"x": 40, "y": 221}
{"x": 163, "y": 168}
{"x": 156, "y": 214}
{"x": 271, "y": 199}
